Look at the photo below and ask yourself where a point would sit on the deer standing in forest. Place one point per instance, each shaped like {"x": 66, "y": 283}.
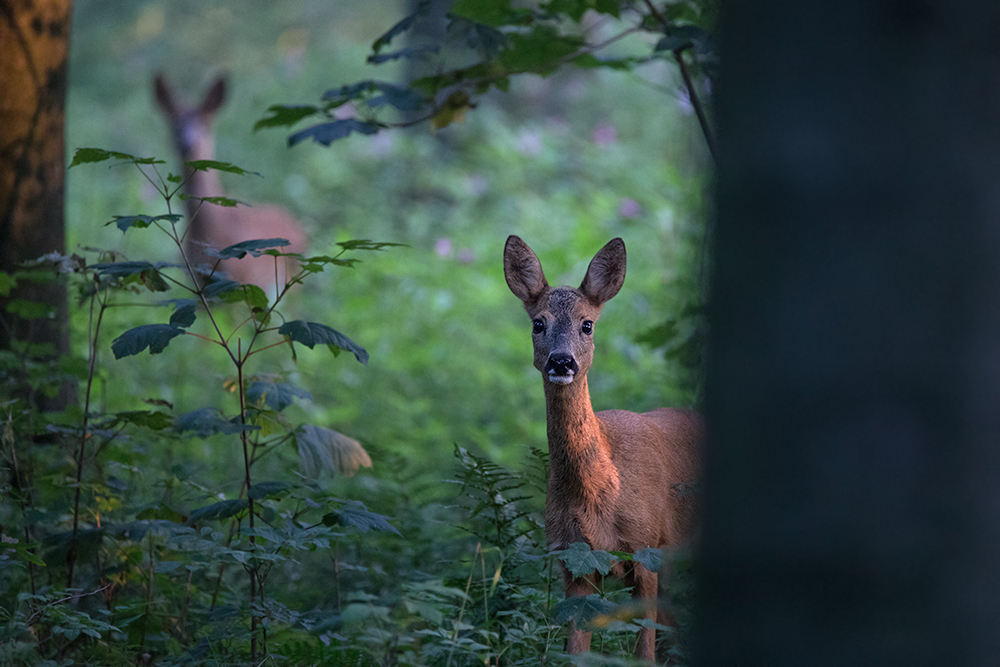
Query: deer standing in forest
{"x": 616, "y": 478}
{"x": 214, "y": 226}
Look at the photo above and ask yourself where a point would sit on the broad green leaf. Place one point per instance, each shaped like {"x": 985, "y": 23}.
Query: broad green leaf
{"x": 215, "y": 165}
{"x": 204, "y": 422}
{"x": 488, "y": 41}
{"x": 30, "y": 310}
{"x": 7, "y": 283}
{"x": 580, "y": 560}
{"x": 263, "y": 490}
{"x": 540, "y": 51}
{"x": 494, "y": 13}
{"x": 326, "y": 133}
{"x": 582, "y": 609}
{"x": 423, "y": 8}
{"x": 91, "y": 155}
{"x": 311, "y": 334}
{"x": 651, "y": 558}
{"x": 276, "y": 395}
{"x": 126, "y": 222}
{"x": 220, "y": 286}
{"x": 285, "y": 115}
{"x": 323, "y": 449}
{"x": 365, "y": 244}
{"x": 122, "y": 269}
{"x": 154, "y": 336}
{"x": 354, "y": 513}
{"x": 253, "y": 248}
{"x": 151, "y": 419}
{"x": 185, "y": 314}
{"x": 404, "y": 99}
{"x": 161, "y": 512}
{"x": 220, "y": 510}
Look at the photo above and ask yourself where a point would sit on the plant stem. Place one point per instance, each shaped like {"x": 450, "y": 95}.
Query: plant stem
{"x": 245, "y": 439}
{"x": 94, "y": 332}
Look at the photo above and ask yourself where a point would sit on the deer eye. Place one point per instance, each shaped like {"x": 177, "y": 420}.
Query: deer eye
{"x": 588, "y": 327}
{"x": 538, "y": 326}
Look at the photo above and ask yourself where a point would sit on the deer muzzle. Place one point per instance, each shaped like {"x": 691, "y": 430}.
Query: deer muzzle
{"x": 561, "y": 368}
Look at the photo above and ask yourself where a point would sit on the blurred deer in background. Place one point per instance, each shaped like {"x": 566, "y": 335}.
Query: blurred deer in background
{"x": 210, "y": 225}
{"x": 616, "y": 479}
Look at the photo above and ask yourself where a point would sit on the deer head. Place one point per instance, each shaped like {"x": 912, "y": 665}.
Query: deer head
{"x": 563, "y": 317}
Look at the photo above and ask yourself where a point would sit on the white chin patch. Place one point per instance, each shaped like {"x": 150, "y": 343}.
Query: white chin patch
{"x": 560, "y": 379}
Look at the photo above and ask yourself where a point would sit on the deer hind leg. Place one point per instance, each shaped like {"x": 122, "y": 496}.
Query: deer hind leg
{"x": 578, "y": 640}
{"x": 644, "y": 589}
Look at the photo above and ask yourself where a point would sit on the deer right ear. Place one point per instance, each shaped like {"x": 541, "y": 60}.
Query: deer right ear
{"x": 523, "y": 271}
{"x": 163, "y": 95}
{"x": 215, "y": 96}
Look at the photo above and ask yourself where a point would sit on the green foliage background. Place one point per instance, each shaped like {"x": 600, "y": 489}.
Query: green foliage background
{"x": 567, "y": 162}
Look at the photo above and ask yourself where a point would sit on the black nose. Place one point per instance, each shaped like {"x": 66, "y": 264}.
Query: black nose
{"x": 561, "y": 364}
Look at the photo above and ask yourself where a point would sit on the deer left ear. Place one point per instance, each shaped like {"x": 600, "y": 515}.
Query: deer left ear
{"x": 606, "y": 273}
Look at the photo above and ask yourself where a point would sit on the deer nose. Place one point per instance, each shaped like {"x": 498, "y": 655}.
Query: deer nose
{"x": 561, "y": 365}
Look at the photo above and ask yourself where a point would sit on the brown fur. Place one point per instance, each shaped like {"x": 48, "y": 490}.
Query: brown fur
{"x": 613, "y": 475}
{"x": 221, "y": 226}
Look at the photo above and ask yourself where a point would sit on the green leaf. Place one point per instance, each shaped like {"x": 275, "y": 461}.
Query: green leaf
{"x": 651, "y": 558}
{"x": 404, "y": 99}
{"x": 215, "y": 165}
{"x": 92, "y": 155}
{"x": 541, "y": 51}
{"x": 30, "y": 310}
{"x": 154, "y": 336}
{"x": 494, "y": 13}
{"x": 263, "y": 490}
{"x": 254, "y": 248}
{"x": 326, "y": 133}
{"x": 204, "y": 422}
{"x": 580, "y": 560}
{"x": 7, "y": 283}
{"x": 219, "y": 510}
{"x": 126, "y": 222}
{"x": 122, "y": 269}
{"x": 160, "y": 512}
{"x": 365, "y": 244}
{"x": 423, "y": 8}
{"x": 323, "y": 449}
{"x": 582, "y": 609}
{"x": 276, "y": 395}
{"x": 311, "y": 334}
{"x": 185, "y": 314}
{"x": 353, "y": 513}
{"x": 220, "y": 287}
{"x": 285, "y": 115}
{"x": 151, "y": 419}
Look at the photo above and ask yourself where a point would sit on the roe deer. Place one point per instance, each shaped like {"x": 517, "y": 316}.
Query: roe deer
{"x": 215, "y": 226}
{"x": 614, "y": 476}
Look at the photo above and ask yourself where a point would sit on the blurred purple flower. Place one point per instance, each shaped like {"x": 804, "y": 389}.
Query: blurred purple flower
{"x": 443, "y": 247}
{"x": 605, "y": 134}
{"x": 629, "y": 208}
{"x": 466, "y": 255}
{"x": 529, "y": 143}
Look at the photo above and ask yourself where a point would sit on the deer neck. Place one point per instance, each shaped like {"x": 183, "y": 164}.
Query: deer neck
{"x": 580, "y": 464}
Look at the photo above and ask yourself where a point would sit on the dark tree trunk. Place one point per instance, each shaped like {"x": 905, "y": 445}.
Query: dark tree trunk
{"x": 852, "y": 509}
{"x": 34, "y": 46}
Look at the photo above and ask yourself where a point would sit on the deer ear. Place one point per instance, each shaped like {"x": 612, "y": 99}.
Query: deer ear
{"x": 606, "y": 273}
{"x": 523, "y": 271}
{"x": 162, "y": 93}
{"x": 215, "y": 96}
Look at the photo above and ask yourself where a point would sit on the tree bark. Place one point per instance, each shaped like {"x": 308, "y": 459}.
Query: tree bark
{"x": 852, "y": 492}
{"x": 34, "y": 50}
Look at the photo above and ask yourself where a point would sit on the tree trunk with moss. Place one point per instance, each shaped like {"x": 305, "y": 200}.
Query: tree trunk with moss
{"x": 34, "y": 50}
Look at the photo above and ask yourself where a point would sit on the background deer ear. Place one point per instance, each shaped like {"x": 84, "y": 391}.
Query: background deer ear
{"x": 215, "y": 96}
{"x": 606, "y": 273}
{"x": 523, "y": 271}
{"x": 163, "y": 95}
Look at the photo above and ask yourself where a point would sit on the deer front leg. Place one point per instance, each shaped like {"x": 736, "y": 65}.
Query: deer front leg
{"x": 578, "y": 640}
{"x": 644, "y": 589}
